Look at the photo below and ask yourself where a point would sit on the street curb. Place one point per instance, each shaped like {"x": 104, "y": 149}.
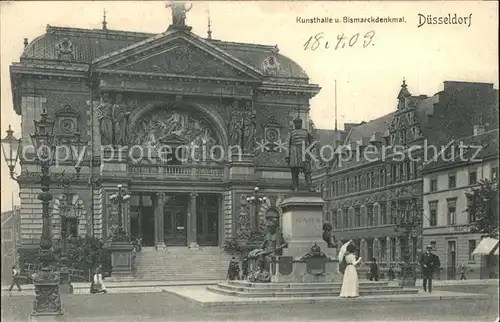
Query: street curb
{"x": 357, "y": 301}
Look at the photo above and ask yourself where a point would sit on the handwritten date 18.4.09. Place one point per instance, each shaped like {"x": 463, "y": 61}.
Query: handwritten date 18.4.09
{"x": 318, "y": 41}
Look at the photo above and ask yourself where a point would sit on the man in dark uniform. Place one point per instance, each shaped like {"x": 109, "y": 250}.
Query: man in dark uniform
{"x": 298, "y": 158}
{"x": 428, "y": 262}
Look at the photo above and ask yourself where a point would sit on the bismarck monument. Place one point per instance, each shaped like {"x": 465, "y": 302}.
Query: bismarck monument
{"x": 309, "y": 256}
{"x": 295, "y": 249}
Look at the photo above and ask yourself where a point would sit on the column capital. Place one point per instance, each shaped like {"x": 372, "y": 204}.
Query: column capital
{"x": 193, "y": 194}
{"x": 160, "y": 194}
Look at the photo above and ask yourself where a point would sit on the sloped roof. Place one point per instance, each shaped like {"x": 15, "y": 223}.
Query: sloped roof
{"x": 474, "y": 148}
{"x": 366, "y": 130}
{"x": 91, "y": 44}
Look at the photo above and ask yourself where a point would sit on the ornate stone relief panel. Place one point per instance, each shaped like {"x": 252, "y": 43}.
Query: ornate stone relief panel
{"x": 160, "y": 126}
{"x": 179, "y": 57}
{"x": 272, "y": 134}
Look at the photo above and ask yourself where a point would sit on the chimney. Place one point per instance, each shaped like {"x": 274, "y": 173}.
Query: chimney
{"x": 25, "y": 42}
{"x": 478, "y": 129}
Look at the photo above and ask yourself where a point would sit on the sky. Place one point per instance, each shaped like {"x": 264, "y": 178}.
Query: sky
{"x": 368, "y": 78}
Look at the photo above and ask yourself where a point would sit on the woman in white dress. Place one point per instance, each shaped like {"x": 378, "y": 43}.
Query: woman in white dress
{"x": 97, "y": 285}
{"x": 350, "y": 284}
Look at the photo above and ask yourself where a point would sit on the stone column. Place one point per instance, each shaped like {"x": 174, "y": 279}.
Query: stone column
{"x": 398, "y": 249}
{"x": 363, "y": 251}
{"x": 159, "y": 233}
{"x": 191, "y": 222}
{"x": 388, "y": 248}
{"x": 376, "y": 249}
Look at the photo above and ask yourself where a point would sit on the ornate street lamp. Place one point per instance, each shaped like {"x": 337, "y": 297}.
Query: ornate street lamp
{"x": 11, "y": 148}
{"x": 46, "y": 281}
{"x": 255, "y": 201}
{"x": 119, "y": 199}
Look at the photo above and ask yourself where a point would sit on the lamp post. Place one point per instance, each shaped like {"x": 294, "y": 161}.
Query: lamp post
{"x": 255, "y": 201}
{"x": 47, "y": 300}
{"x": 119, "y": 199}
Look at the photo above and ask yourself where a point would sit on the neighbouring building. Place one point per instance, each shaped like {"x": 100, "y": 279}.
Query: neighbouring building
{"x": 373, "y": 188}
{"x": 10, "y": 237}
{"x": 447, "y": 223}
{"x": 177, "y": 89}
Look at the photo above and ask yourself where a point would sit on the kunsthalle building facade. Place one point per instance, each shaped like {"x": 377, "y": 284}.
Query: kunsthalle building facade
{"x": 447, "y": 223}
{"x": 143, "y": 91}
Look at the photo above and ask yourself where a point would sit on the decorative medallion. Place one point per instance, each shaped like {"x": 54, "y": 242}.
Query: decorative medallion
{"x": 65, "y": 49}
{"x": 178, "y": 60}
{"x": 272, "y": 135}
{"x": 270, "y": 66}
{"x": 67, "y": 122}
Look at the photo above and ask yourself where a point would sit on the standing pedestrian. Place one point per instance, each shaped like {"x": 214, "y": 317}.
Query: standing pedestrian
{"x": 429, "y": 262}
{"x": 390, "y": 273}
{"x": 16, "y": 276}
{"x": 374, "y": 270}
{"x": 463, "y": 273}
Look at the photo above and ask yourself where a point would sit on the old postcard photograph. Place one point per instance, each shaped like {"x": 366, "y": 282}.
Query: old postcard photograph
{"x": 249, "y": 161}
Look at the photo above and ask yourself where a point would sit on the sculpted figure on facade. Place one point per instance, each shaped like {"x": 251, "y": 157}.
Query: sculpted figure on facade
{"x": 298, "y": 158}
{"x": 121, "y": 120}
{"x": 242, "y": 126}
{"x": 105, "y": 117}
{"x": 113, "y": 121}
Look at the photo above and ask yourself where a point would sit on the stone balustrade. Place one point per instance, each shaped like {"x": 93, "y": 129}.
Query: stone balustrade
{"x": 177, "y": 171}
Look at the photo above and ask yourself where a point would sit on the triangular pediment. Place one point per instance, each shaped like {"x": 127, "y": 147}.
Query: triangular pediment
{"x": 177, "y": 53}
{"x": 174, "y": 139}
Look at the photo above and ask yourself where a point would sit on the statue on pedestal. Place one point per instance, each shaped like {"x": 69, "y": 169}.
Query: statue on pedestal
{"x": 298, "y": 158}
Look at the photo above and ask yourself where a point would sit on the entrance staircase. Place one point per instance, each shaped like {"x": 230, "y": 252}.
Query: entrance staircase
{"x": 245, "y": 289}
{"x": 181, "y": 264}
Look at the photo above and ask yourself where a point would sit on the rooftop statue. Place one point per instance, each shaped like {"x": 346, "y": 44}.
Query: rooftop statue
{"x": 179, "y": 10}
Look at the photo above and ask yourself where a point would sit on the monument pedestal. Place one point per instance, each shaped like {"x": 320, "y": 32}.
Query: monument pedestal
{"x": 307, "y": 258}
{"x": 121, "y": 260}
{"x": 242, "y": 166}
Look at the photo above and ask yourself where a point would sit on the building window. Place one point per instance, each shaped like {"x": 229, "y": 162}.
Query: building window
{"x": 383, "y": 213}
{"x": 393, "y": 173}
{"x": 345, "y": 223}
{"x": 333, "y": 219}
{"x": 369, "y": 210}
{"x": 357, "y": 217}
{"x": 472, "y": 247}
{"x": 452, "y": 212}
{"x": 452, "y": 181}
{"x": 433, "y": 245}
{"x": 472, "y": 177}
{"x": 494, "y": 174}
{"x": 470, "y": 210}
{"x": 433, "y": 213}
{"x": 434, "y": 184}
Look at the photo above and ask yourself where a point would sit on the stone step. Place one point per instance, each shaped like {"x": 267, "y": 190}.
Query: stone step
{"x": 300, "y": 285}
{"x": 375, "y": 292}
{"x": 305, "y": 288}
